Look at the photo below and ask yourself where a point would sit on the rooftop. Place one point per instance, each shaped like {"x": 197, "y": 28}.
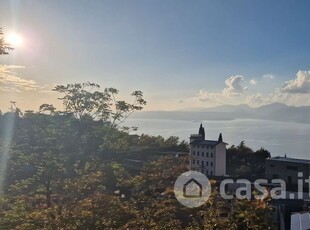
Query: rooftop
{"x": 207, "y": 142}
{"x": 196, "y": 135}
{"x": 288, "y": 159}
{"x": 199, "y": 138}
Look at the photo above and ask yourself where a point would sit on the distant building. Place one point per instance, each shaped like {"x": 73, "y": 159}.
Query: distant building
{"x": 287, "y": 169}
{"x": 207, "y": 156}
{"x": 290, "y": 170}
{"x": 300, "y": 221}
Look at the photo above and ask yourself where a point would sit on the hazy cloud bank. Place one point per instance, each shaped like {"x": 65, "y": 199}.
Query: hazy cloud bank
{"x": 293, "y": 92}
{"x": 301, "y": 84}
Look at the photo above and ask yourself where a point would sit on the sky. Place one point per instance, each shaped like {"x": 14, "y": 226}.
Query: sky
{"x": 181, "y": 54}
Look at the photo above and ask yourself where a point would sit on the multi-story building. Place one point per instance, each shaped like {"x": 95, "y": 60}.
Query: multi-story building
{"x": 287, "y": 169}
{"x": 207, "y": 156}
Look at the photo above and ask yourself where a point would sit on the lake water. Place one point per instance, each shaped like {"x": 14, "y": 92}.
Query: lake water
{"x": 292, "y": 139}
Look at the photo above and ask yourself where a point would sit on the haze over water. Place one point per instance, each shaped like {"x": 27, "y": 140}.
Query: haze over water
{"x": 279, "y": 138}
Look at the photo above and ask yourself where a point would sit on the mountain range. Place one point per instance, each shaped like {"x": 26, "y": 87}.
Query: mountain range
{"x": 274, "y": 111}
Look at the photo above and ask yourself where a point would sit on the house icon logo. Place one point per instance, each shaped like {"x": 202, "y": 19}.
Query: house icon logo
{"x": 192, "y": 189}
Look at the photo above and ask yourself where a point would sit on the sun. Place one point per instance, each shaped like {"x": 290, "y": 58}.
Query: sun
{"x": 14, "y": 39}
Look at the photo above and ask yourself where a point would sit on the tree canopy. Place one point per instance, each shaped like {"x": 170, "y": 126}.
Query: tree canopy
{"x": 85, "y": 101}
{"x": 79, "y": 169}
{"x": 243, "y": 161}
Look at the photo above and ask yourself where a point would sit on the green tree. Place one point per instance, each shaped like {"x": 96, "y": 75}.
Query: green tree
{"x": 68, "y": 171}
{"x": 243, "y": 161}
{"x": 86, "y": 102}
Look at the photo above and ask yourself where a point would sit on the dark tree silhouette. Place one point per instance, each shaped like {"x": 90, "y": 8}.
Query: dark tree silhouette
{"x": 4, "y": 47}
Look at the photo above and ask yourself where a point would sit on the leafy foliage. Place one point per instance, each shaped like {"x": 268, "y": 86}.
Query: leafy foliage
{"x": 243, "y": 161}
{"x": 77, "y": 169}
{"x": 86, "y": 102}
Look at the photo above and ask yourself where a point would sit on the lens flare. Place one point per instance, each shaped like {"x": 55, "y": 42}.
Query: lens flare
{"x": 5, "y": 148}
{"x": 14, "y": 39}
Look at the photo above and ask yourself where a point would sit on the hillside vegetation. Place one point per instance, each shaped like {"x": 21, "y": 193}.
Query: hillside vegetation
{"x": 80, "y": 169}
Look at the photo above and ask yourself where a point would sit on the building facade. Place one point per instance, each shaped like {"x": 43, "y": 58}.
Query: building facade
{"x": 207, "y": 156}
{"x": 287, "y": 169}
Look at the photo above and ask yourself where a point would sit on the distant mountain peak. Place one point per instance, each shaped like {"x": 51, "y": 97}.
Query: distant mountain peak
{"x": 275, "y": 104}
{"x": 274, "y": 111}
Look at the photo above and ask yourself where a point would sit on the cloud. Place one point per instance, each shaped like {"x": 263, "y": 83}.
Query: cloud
{"x": 277, "y": 96}
{"x": 9, "y": 69}
{"x": 9, "y": 89}
{"x": 256, "y": 99}
{"x": 301, "y": 84}
{"x": 268, "y": 76}
{"x": 234, "y": 86}
{"x": 228, "y": 95}
{"x": 18, "y": 83}
{"x": 9, "y": 82}
{"x": 235, "y": 93}
{"x": 253, "y": 82}
{"x": 204, "y": 96}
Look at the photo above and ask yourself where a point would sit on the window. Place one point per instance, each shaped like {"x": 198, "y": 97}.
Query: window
{"x": 198, "y": 154}
{"x": 207, "y": 163}
{"x": 211, "y": 155}
{"x": 207, "y": 154}
{"x": 289, "y": 179}
{"x": 292, "y": 168}
{"x": 211, "y": 173}
{"x": 211, "y": 164}
{"x": 194, "y": 153}
{"x": 193, "y": 161}
{"x": 275, "y": 176}
{"x": 197, "y": 162}
{"x": 202, "y": 163}
{"x": 202, "y": 154}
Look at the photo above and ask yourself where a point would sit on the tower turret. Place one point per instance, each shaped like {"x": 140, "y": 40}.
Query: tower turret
{"x": 202, "y": 131}
{"x": 220, "y": 138}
